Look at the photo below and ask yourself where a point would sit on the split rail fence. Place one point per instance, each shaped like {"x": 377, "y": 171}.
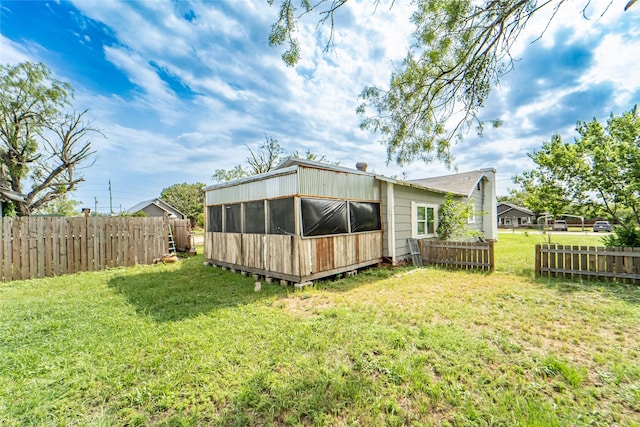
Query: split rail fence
{"x": 33, "y": 247}
{"x": 582, "y": 262}
{"x": 459, "y": 255}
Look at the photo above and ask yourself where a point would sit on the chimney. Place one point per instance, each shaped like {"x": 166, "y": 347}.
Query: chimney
{"x": 361, "y": 166}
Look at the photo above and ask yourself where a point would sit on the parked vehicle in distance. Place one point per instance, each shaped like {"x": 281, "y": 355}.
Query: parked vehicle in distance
{"x": 559, "y": 225}
{"x": 602, "y": 226}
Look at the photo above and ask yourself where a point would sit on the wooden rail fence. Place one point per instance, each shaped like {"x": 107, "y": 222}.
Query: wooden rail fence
{"x": 621, "y": 264}
{"x": 39, "y": 247}
{"x": 460, "y": 255}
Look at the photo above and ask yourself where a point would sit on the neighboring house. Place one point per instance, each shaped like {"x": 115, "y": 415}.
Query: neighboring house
{"x": 306, "y": 220}
{"x": 157, "y": 207}
{"x": 514, "y": 216}
{"x": 7, "y": 194}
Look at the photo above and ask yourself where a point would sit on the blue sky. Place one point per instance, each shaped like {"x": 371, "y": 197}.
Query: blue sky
{"x": 180, "y": 88}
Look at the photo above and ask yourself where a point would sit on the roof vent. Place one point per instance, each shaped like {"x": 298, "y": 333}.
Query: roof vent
{"x": 361, "y": 166}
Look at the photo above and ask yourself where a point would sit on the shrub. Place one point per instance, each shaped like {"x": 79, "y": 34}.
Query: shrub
{"x": 625, "y": 235}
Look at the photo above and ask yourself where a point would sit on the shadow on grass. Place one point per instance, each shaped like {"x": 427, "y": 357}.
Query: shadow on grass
{"x": 169, "y": 294}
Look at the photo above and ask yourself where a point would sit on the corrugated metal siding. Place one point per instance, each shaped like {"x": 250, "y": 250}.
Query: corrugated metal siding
{"x": 325, "y": 183}
{"x": 279, "y": 186}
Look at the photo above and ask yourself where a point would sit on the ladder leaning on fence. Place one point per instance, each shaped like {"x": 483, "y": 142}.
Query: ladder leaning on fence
{"x": 172, "y": 242}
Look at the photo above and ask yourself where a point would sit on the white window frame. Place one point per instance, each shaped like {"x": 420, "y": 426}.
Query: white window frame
{"x": 471, "y": 219}
{"x": 414, "y": 220}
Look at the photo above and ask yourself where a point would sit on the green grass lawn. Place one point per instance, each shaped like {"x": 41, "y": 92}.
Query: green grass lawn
{"x": 515, "y": 252}
{"x": 186, "y": 344}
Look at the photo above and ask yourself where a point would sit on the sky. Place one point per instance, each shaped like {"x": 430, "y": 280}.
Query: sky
{"x": 182, "y": 88}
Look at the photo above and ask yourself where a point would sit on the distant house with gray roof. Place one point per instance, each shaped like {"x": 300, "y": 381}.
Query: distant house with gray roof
{"x": 157, "y": 207}
{"x": 510, "y": 215}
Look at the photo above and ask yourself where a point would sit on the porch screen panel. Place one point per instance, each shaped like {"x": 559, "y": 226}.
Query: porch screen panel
{"x": 254, "y": 217}
{"x": 364, "y": 216}
{"x": 232, "y": 218}
{"x": 321, "y": 217}
{"x": 214, "y": 219}
{"x": 281, "y": 216}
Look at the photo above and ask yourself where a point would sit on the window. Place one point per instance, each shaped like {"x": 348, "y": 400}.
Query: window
{"x": 214, "y": 219}
{"x": 322, "y": 217}
{"x": 472, "y": 213}
{"x": 364, "y": 216}
{"x": 281, "y": 216}
{"x": 254, "y": 217}
{"x": 232, "y": 218}
{"x": 424, "y": 220}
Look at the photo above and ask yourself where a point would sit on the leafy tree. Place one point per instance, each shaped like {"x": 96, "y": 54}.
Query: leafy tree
{"x": 61, "y": 206}
{"x": 453, "y": 218}
{"x": 42, "y": 145}
{"x": 599, "y": 171}
{"x": 461, "y": 49}
{"x": 625, "y": 235}
{"x": 264, "y": 160}
{"x": 187, "y": 198}
{"x": 515, "y": 197}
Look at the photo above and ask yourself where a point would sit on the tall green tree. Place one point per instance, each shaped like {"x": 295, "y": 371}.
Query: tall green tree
{"x": 187, "y": 198}
{"x": 599, "y": 170}
{"x": 461, "y": 50}
{"x": 265, "y": 159}
{"x": 61, "y": 206}
{"x": 43, "y": 142}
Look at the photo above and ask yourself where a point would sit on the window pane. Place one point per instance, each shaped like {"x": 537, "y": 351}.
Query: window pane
{"x": 214, "y": 219}
{"x": 281, "y": 216}
{"x": 232, "y": 219}
{"x": 254, "y": 217}
{"x": 420, "y": 228}
{"x": 421, "y": 213}
{"x": 364, "y": 216}
{"x": 430, "y": 221}
{"x": 321, "y": 217}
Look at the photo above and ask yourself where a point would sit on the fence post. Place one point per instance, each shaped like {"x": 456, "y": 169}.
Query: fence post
{"x": 492, "y": 260}
{"x": 538, "y": 260}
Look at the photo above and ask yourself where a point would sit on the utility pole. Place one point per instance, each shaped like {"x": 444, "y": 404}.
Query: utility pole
{"x": 95, "y": 210}
{"x": 110, "y": 198}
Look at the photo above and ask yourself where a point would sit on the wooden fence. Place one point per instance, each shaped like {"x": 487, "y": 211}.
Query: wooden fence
{"x": 461, "y": 255}
{"x": 620, "y": 264}
{"x": 181, "y": 229}
{"x": 39, "y": 247}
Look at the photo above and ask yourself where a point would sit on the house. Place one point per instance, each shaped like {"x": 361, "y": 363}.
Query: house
{"x": 510, "y": 215}
{"x": 157, "y": 207}
{"x": 307, "y": 220}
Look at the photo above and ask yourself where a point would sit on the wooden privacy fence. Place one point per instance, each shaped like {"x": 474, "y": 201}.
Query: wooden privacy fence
{"x": 181, "y": 229}
{"x": 39, "y": 247}
{"x": 621, "y": 264}
{"x": 461, "y": 255}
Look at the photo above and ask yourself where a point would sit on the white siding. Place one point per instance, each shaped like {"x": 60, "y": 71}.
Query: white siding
{"x": 403, "y": 198}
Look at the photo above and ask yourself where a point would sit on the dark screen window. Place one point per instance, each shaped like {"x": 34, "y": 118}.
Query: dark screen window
{"x": 214, "y": 219}
{"x": 254, "y": 217}
{"x": 321, "y": 217}
{"x": 364, "y": 216}
{"x": 232, "y": 219}
{"x": 282, "y": 216}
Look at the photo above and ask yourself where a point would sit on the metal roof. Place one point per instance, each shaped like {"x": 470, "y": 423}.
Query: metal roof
{"x": 159, "y": 203}
{"x": 461, "y": 184}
